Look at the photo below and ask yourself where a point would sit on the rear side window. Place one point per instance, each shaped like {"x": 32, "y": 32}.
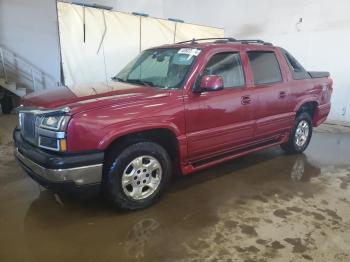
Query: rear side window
{"x": 227, "y": 65}
{"x": 298, "y": 72}
{"x": 265, "y": 67}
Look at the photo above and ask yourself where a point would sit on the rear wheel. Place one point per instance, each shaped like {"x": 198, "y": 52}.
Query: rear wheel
{"x": 300, "y": 135}
{"x": 137, "y": 176}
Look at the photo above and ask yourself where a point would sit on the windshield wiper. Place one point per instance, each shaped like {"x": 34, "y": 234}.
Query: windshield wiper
{"x": 115, "y": 78}
{"x": 134, "y": 81}
{"x": 139, "y": 81}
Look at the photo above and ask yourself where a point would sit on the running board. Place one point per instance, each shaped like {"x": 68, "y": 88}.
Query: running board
{"x": 207, "y": 162}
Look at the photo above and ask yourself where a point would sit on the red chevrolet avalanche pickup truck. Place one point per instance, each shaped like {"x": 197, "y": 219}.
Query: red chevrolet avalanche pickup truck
{"x": 180, "y": 107}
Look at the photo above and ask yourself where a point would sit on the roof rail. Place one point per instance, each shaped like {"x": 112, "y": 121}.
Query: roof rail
{"x": 194, "y": 40}
{"x": 227, "y": 40}
{"x": 253, "y": 41}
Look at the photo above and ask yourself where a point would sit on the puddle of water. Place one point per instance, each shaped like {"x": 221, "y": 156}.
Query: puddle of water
{"x": 263, "y": 207}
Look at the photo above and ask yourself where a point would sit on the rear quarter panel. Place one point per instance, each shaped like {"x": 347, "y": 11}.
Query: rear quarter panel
{"x": 318, "y": 90}
{"x": 313, "y": 90}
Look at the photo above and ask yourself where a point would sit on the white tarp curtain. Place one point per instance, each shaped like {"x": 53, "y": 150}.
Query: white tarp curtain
{"x": 125, "y": 35}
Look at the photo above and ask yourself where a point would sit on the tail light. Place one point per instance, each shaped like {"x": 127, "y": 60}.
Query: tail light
{"x": 330, "y": 84}
{"x": 327, "y": 90}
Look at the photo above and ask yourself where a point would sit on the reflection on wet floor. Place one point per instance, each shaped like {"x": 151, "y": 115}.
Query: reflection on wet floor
{"x": 264, "y": 207}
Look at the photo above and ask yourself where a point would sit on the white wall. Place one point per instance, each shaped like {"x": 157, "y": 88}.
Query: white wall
{"x": 29, "y": 28}
{"x": 253, "y": 17}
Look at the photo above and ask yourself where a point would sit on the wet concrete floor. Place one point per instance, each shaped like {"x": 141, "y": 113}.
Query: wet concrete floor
{"x": 264, "y": 207}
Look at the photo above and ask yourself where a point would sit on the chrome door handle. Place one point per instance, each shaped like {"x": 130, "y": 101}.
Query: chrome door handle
{"x": 282, "y": 94}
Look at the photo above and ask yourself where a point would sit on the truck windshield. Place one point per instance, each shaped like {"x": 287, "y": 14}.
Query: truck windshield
{"x": 164, "y": 68}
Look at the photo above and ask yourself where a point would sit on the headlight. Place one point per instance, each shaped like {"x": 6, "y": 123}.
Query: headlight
{"x": 52, "y": 132}
{"x": 54, "y": 122}
{"x": 44, "y": 127}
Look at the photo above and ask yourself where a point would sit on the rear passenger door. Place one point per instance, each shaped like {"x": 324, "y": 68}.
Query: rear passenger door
{"x": 275, "y": 113}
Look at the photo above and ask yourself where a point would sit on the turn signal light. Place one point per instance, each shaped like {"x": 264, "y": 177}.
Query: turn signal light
{"x": 63, "y": 145}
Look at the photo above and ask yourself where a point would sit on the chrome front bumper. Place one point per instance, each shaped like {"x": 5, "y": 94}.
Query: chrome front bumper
{"x": 84, "y": 175}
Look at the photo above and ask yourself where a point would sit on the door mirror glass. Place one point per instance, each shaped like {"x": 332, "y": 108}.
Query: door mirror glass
{"x": 210, "y": 83}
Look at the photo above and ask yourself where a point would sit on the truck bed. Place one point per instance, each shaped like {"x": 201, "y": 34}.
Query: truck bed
{"x": 318, "y": 74}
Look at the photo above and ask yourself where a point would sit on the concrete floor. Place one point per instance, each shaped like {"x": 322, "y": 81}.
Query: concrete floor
{"x": 264, "y": 207}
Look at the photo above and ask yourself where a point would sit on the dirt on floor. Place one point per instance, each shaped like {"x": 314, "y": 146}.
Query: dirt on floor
{"x": 267, "y": 206}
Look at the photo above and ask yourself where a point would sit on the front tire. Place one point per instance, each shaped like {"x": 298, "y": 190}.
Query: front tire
{"x": 137, "y": 175}
{"x": 300, "y": 135}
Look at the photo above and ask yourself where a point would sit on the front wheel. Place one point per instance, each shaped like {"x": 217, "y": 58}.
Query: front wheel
{"x": 137, "y": 175}
{"x": 300, "y": 135}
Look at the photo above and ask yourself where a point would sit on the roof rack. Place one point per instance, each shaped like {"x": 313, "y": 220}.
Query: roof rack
{"x": 253, "y": 41}
{"x": 227, "y": 40}
{"x": 194, "y": 40}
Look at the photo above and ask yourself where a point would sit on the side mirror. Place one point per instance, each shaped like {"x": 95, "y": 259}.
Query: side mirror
{"x": 210, "y": 83}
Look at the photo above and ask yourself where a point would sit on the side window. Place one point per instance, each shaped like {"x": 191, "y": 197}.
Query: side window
{"x": 227, "y": 65}
{"x": 265, "y": 67}
{"x": 298, "y": 72}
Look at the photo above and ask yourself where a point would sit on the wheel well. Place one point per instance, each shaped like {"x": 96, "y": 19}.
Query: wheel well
{"x": 161, "y": 136}
{"x": 308, "y": 107}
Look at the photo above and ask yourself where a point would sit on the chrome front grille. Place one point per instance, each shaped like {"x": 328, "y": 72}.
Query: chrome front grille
{"x": 28, "y": 127}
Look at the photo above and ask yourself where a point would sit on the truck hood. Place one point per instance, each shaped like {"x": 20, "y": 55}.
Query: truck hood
{"x": 85, "y": 97}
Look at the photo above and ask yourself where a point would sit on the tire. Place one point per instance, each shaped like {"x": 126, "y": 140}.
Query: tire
{"x": 295, "y": 146}
{"x": 6, "y": 104}
{"x": 125, "y": 175}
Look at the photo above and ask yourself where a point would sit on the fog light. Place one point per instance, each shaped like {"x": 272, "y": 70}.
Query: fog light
{"x": 48, "y": 143}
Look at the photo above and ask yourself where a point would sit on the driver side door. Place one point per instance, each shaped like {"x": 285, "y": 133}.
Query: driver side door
{"x": 218, "y": 122}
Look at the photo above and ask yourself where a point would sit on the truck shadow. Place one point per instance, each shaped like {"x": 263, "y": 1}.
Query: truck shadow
{"x": 190, "y": 204}
{"x": 269, "y": 166}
